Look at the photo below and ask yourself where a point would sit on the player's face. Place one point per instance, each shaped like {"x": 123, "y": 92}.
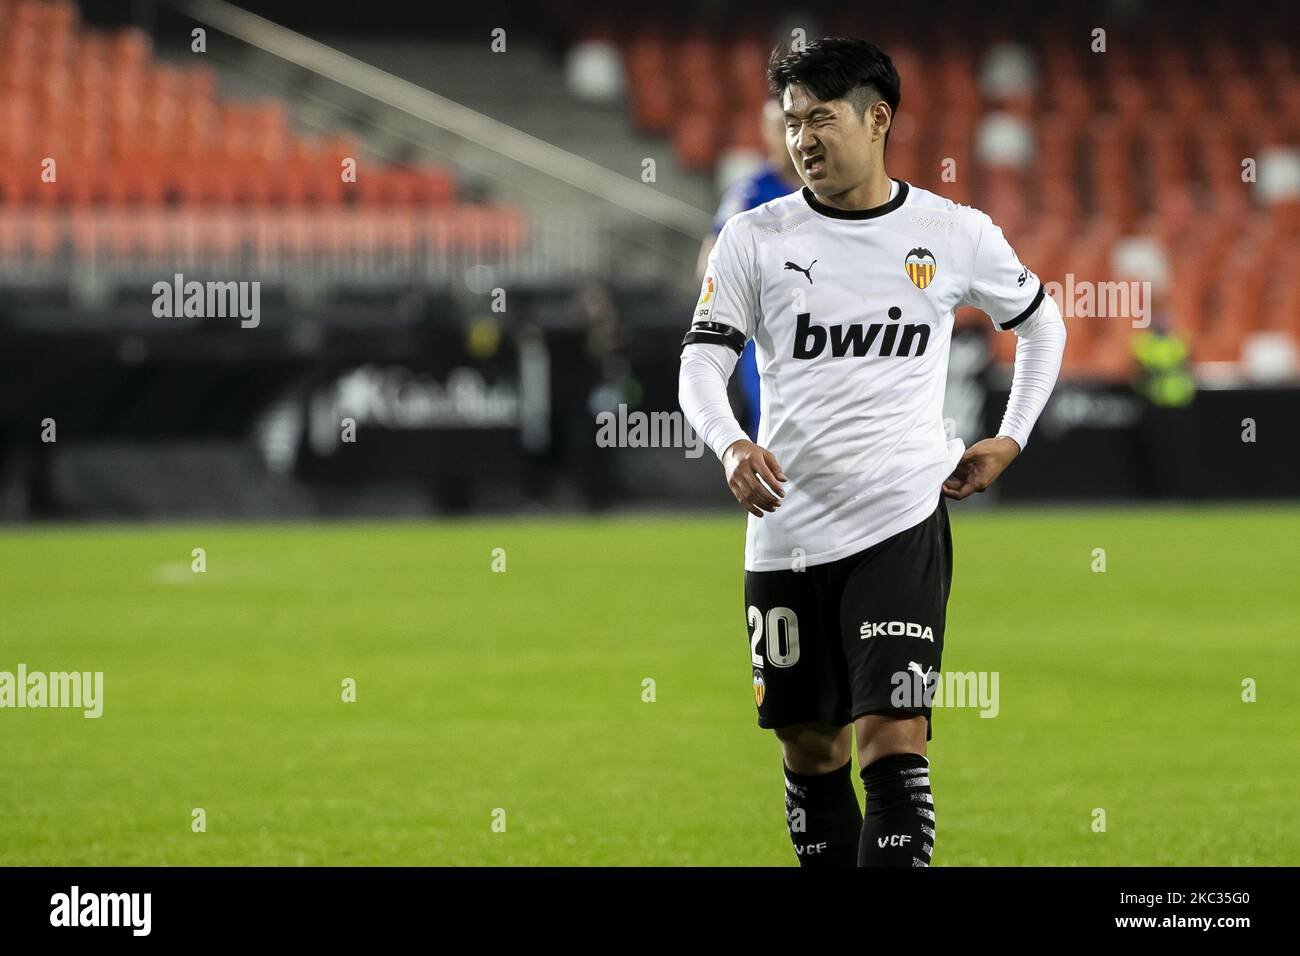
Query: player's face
{"x": 830, "y": 145}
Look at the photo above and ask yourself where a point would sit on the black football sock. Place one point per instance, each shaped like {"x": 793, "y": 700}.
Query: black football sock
{"x": 899, "y": 826}
{"x": 822, "y": 815}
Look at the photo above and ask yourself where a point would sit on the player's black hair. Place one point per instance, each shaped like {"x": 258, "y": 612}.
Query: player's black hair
{"x": 836, "y": 68}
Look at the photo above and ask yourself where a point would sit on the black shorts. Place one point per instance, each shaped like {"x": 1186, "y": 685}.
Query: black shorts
{"x": 861, "y": 635}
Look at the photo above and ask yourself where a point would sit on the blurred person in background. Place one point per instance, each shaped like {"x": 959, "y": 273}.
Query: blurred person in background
{"x": 775, "y": 178}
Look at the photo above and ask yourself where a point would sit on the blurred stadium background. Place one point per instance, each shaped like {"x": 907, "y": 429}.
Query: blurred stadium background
{"x": 522, "y": 171}
{"x": 518, "y": 253}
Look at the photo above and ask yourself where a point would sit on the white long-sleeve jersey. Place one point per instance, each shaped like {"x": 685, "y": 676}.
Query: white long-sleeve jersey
{"x": 851, "y": 313}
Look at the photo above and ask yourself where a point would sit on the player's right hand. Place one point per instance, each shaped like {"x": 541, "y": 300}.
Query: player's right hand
{"x": 754, "y": 477}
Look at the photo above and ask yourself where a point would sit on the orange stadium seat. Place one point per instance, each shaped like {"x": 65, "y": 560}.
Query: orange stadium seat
{"x": 1149, "y": 161}
{"x": 1150, "y": 145}
{"x": 1152, "y": 162}
{"x": 151, "y": 161}
{"x": 694, "y": 140}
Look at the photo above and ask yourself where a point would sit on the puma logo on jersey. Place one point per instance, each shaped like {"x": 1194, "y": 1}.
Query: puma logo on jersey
{"x": 807, "y": 272}
{"x": 810, "y": 340}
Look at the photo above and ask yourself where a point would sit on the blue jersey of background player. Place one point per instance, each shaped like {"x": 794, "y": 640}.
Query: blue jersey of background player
{"x": 777, "y": 177}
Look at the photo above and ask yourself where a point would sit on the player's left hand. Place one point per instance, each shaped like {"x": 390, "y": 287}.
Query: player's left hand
{"x": 980, "y": 466}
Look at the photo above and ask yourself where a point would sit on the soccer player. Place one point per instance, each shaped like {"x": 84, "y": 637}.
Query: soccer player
{"x": 776, "y": 177}
{"x": 847, "y": 287}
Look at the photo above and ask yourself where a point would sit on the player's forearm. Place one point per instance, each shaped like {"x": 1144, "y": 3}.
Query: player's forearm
{"x": 702, "y": 394}
{"x": 1039, "y": 347}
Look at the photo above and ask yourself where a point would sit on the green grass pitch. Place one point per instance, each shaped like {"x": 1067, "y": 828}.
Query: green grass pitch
{"x": 522, "y": 692}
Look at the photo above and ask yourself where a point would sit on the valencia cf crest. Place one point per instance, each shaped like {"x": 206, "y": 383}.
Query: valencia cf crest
{"x": 921, "y": 267}
{"x": 760, "y": 688}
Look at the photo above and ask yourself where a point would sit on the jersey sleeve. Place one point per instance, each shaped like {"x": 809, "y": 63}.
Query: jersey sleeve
{"x": 726, "y": 313}
{"x": 1000, "y": 285}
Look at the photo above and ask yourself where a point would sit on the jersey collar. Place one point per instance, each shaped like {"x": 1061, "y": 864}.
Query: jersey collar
{"x": 882, "y": 210}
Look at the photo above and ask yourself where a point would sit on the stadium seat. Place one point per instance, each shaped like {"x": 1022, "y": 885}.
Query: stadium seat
{"x": 152, "y": 161}
{"x": 1150, "y": 146}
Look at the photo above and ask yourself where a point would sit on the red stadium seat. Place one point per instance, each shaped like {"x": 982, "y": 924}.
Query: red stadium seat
{"x": 694, "y": 140}
{"x": 1148, "y": 143}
